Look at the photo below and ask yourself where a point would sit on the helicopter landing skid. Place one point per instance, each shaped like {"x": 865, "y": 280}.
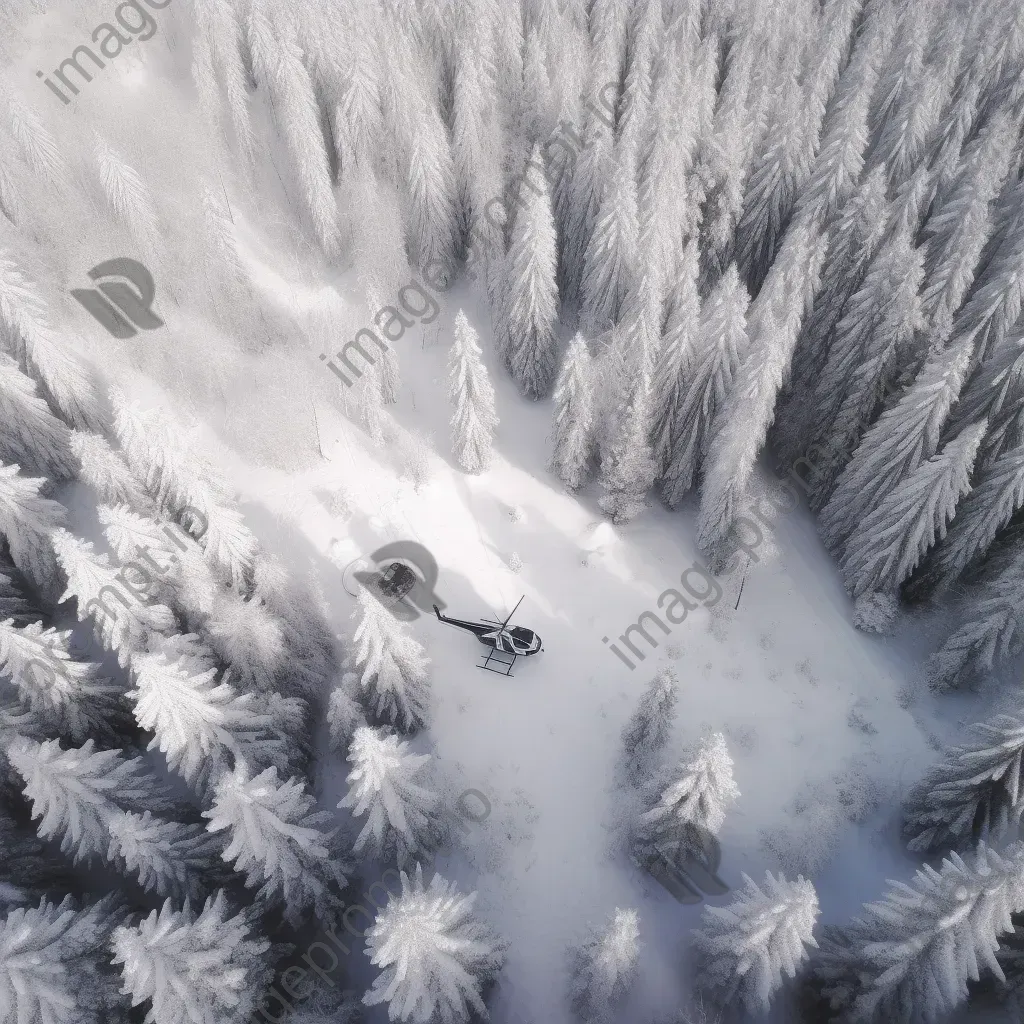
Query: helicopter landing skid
{"x": 498, "y": 657}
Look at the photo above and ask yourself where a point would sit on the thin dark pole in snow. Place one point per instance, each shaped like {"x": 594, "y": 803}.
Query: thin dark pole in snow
{"x": 742, "y": 583}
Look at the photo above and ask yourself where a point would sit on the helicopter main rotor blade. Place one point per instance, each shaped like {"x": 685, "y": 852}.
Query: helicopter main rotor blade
{"x": 511, "y": 613}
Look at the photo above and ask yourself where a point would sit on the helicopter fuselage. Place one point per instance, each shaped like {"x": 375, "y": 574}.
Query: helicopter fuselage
{"x": 516, "y": 640}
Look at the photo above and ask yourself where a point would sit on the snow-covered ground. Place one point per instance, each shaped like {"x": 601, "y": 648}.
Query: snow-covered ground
{"x": 828, "y": 727}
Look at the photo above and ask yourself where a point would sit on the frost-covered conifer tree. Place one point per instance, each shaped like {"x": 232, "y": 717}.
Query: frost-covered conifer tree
{"x": 31, "y": 869}
{"x": 277, "y": 59}
{"x": 696, "y": 794}
{"x": 102, "y": 469}
{"x": 610, "y": 262}
{"x": 73, "y": 698}
{"x": 868, "y": 345}
{"x": 162, "y": 457}
{"x": 128, "y": 195}
{"x": 29, "y": 337}
{"x": 604, "y": 966}
{"x": 991, "y": 632}
{"x": 646, "y": 732}
{"x": 470, "y": 392}
{"x": 435, "y": 956}
{"x": 585, "y": 199}
{"x": 123, "y": 622}
{"x": 53, "y": 963}
{"x": 344, "y": 715}
{"x": 209, "y": 966}
{"x": 74, "y": 790}
{"x": 627, "y": 467}
{"x": 280, "y": 843}
{"x": 974, "y": 793}
{"x": 674, "y": 363}
{"x": 100, "y": 804}
{"x": 773, "y": 180}
{"x": 742, "y": 424}
{"x": 14, "y": 603}
{"x": 997, "y": 494}
{"x": 392, "y": 667}
{"x": 529, "y": 306}
{"x": 959, "y": 228}
{"x": 746, "y": 947}
{"x": 573, "y": 424}
{"x": 888, "y": 543}
{"x": 389, "y": 785}
{"x": 901, "y": 439}
{"x": 912, "y": 955}
{"x": 200, "y": 723}
{"x": 30, "y": 435}
{"x": 28, "y": 521}
{"x": 36, "y": 145}
{"x": 718, "y": 348}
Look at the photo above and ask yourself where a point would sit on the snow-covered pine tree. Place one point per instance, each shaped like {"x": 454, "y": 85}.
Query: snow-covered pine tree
{"x": 436, "y": 957}
{"x": 992, "y": 630}
{"x": 123, "y": 623}
{"x": 604, "y": 966}
{"x": 610, "y": 263}
{"x": 747, "y": 947}
{"x": 210, "y": 966}
{"x": 911, "y": 956}
{"x": 28, "y": 521}
{"x": 529, "y": 305}
{"x": 646, "y": 732}
{"x": 867, "y": 346}
{"x": 741, "y": 426}
{"x": 36, "y": 145}
{"x": 770, "y": 192}
{"x": 28, "y": 336}
{"x": 128, "y": 196}
{"x": 888, "y": 543}
{"x": 586, "y": 191}
{"x": 997, "y": 494}
{"x": 392, "y": 667}
{"x": 30, "y": 435}
{"x": 720, "y": 345}
{"x": 344, "y": 715}
{"x": 431, "y": 185}
{"x": 14, "y": 603}
{"x": 73, "y": 699}
{"x": 903, "y": 437}
{"x": 390, "y": 786}
{"x": 854, "y": 237}
{"x": 164, "y": 459}
{"x": 247, "y": 635}
{"x": 695, "y": 795}
{"x": 102, "y": 469}
{"x": 674, "y": 364}
{"x": 200, "y": 724}
{"x": 98, "y": 803}
{"x": 974, "y": 793}
{"x": 280, "y": 843}
{"x": 31, "y": 869}
{"x": 960, "y": 226}
{"x": 278, "y": 60}
{"x": 573, "y": 426}
{"x": 628, "y": 468}
{"x": 470, "y": 392}
{"x": 54, "y": 963}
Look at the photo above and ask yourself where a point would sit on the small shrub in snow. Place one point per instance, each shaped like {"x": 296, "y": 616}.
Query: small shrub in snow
{"x": 876, "y": 612}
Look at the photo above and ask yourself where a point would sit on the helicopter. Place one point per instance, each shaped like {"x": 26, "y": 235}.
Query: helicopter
{"x": 515, "y": 641}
